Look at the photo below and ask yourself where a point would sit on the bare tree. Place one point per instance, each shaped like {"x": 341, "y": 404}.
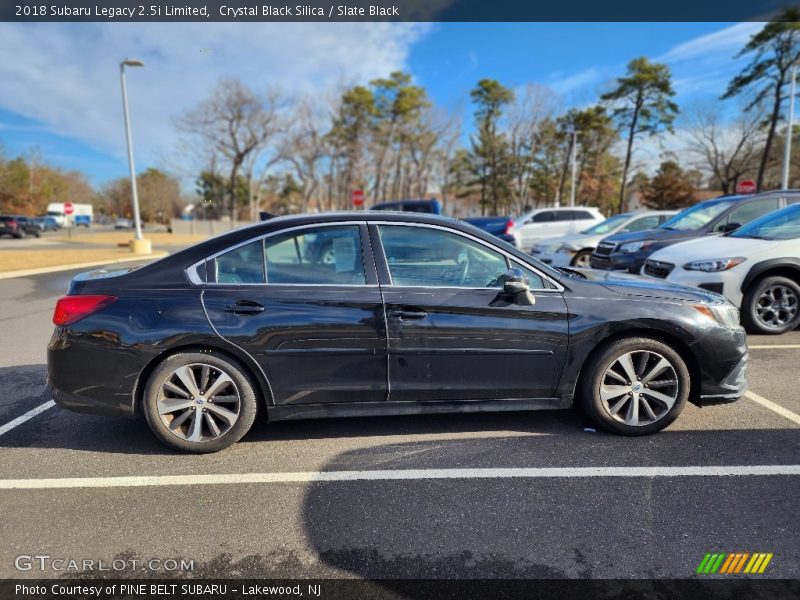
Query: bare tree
{"x": 726, "y": 150}
{"x": 524, "y": 118}
{"x": 234, "y": 123}
{"x": 305, "y": 148}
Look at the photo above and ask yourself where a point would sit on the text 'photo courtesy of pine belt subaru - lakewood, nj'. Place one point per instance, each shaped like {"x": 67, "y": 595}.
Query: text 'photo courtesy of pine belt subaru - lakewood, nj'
{"x": 757, "y": 267}
{"x": 414, "y": 314}
{"x": 628, "y": 251}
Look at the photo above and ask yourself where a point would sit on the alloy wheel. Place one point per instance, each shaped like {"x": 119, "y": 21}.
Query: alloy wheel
{"x": 583, "y": 260}
{"x": 198, "y": 402}
{"x": 776, "y": 307}
{"x": 639, "y": 388}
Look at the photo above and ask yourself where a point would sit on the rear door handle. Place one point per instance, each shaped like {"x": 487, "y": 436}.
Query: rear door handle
{"x": 408, "y": 314}
{"x": 245, "y": 307}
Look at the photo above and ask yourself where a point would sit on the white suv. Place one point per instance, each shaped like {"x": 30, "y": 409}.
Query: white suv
{"x": 548, "y": 222}
{"x": 757, "y": 267}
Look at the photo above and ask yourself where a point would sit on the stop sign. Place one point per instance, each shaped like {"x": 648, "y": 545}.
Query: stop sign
{"x": 68, "y": 208}
{"x": 748, "y": 186}
{"x": 358, "y": 197}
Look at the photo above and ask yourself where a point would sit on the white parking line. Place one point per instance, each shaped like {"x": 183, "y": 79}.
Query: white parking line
{"x": 401, "y": 474}
{"x": 777, "y": 408}
{"x": 26, "y": 417}
{"x": 774, "y": 347}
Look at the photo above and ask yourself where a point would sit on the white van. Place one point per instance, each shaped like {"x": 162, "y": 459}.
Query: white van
{"x": 543, "y": 223}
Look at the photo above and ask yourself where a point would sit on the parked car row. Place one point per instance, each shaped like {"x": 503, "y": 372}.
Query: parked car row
{"x": 18, "y": 226}
{"x": 746, "y": 248}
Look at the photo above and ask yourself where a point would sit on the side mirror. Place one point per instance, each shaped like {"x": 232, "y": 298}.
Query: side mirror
{"x": 729, "y": 227}
{"x": 516, "y": 284}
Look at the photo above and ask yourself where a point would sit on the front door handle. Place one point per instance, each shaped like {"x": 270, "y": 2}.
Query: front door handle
{"x": 408, "y": 314}
{"x": 245, "y": 307}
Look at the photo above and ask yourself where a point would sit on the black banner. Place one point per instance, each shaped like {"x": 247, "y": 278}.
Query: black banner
{"x": 391, "y": 10}
{"x": 434, "y": 589}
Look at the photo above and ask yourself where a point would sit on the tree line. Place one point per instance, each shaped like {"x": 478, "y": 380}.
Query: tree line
{"x": 248, "y": 151}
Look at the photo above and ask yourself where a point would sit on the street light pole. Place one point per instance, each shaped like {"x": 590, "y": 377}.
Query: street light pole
{"x": 787, "y": 144}
{"x": 138, "y": 244}
{"x": 574, "y": 166}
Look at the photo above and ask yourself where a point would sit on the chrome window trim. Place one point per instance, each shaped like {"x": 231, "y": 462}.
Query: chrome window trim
{"x": 558, "y": 287}
{"x": 193, "y": 267}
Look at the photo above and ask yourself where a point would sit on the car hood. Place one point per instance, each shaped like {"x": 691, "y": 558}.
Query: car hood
{"x": 634, "y": 285}
{"x": 718, "y": 247}
{"x": 658, "y": 234}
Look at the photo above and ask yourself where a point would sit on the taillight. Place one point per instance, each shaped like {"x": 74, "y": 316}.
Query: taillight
{"x": 509, "y": 226}
{"x": 70, "y": 309}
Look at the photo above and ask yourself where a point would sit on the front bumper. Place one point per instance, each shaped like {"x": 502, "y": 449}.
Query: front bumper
{"x": 618, "y": 262}
{"x": 731, "y": 352}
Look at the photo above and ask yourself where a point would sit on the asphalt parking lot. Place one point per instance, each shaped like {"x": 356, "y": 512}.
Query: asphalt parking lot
{"x": 635, "y": 524}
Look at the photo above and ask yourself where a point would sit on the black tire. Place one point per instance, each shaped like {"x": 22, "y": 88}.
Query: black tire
{"x": 755, "y": 295}
{"x": 19, "y": 235}
{"x": 582, "y": 256}
{"x": 595, "y": 372}
{"x": 247, "y": 403}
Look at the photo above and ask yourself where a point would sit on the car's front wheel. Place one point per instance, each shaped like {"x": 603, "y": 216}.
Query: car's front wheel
{"x": 771, "y": 306}
{"x": 582, "y": 259}
{"x": 634, "y": 386}
{"x": 199, "y": 402}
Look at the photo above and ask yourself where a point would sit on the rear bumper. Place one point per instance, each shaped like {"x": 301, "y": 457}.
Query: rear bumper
{"x": 88, "y": 377}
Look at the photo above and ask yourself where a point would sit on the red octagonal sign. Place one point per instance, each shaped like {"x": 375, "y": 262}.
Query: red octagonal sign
{"x": 68, "y": 208}
{"x": 748, "y": 186}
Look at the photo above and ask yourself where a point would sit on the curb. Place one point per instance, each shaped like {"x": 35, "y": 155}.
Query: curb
{"x": 86, "y": 265}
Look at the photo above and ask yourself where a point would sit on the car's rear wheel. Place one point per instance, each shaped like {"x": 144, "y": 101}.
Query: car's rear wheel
{"x": 635, "y": 386}
{"x": 199, "y": 402}
{"x": 770, "y": 306}
{"x": 582, "y": 259}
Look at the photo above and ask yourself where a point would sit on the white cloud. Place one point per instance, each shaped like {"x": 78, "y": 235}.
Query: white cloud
{"x": 578, "y": 81}
{"x": 720, "y": 44}
{"x": 66, "y": 75}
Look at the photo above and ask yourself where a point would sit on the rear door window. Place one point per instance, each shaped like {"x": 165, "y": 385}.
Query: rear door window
{"x": 318, "y": 256}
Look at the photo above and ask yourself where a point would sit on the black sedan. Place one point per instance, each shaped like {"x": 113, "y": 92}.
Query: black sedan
{"x": 412, "y": 314}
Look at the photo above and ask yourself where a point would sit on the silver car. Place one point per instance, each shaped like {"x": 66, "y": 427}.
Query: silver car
{"x": 574, "y": 249}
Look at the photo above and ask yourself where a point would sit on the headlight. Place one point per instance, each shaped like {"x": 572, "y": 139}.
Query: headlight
{"x": 633, "y": 247}
{"x": 567, "y": 248}
{"x": 714, "y": 265}
{"x": 726, "y": 315}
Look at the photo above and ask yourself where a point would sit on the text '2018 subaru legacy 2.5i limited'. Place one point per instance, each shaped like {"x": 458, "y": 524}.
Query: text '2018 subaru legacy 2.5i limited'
{"x": 415, "y": 314}
{"x": 628, "y": 251}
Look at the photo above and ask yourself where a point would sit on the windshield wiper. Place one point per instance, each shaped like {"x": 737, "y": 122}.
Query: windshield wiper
{"x": 754, "y": 237}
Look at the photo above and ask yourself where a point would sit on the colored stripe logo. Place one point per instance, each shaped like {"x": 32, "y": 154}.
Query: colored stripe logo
{"x": 734, "y": 563}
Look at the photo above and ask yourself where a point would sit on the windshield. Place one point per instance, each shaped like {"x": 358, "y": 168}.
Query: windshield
{"x": 781, "y": 225}
{"x": 608, "y": 225}
{"x": 697, "y": 216}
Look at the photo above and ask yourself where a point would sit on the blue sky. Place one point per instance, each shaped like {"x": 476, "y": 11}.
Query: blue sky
{"x": 61, "y": 90}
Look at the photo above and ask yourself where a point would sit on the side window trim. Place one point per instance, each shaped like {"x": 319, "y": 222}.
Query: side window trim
{"x": 383, "y": 266}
